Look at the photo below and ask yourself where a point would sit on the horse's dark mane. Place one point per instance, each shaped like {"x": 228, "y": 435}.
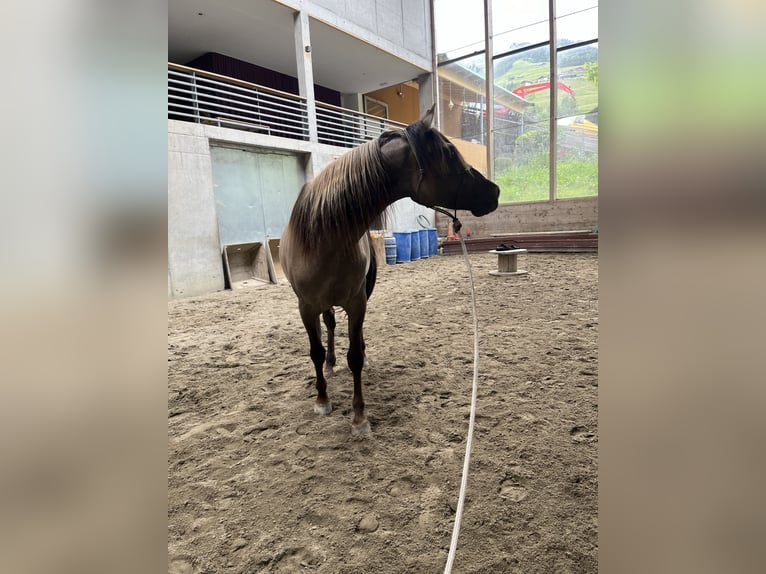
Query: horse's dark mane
{"x": 348, "y": 193}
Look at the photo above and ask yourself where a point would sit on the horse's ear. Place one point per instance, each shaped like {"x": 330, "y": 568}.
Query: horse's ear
{"x": 428, "y": 118}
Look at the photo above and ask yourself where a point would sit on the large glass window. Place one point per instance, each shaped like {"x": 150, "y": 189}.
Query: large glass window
{"x": 521, "y": 97}
{"x": 518, "y": 23}
{"x": 577, "y": 99}
{"x": 459, "y": 28}
{"x": 576, "y": 21}
{"x": 462, "y": 106}
{"x": 522, "y": 127}
{"x": 577, "y": 122}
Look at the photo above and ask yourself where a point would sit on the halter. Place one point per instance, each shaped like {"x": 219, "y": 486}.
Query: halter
{"x": 456, "y": 225}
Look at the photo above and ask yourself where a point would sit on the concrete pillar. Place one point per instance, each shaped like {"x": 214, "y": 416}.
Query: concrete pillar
{"x": 427, "y": 94}
{"x": 305, "y": 69}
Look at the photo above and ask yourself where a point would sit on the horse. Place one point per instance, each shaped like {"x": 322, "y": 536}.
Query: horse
{"x": 326, "y": 250}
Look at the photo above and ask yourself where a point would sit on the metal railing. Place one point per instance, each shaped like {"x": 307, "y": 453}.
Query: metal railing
{"x": 204, "y": 97}
{"x": 348, "y": 128}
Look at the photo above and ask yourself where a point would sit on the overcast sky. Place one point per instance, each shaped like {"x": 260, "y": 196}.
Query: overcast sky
{"x": 460, "y": 23}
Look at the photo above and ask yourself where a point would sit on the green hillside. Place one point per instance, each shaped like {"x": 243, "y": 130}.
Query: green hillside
{"x": 524, "y": 71}
{"x": 525, "y": 176}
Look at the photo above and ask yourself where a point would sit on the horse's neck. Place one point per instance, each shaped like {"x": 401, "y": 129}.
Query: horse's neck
{"x": 392, "y": 193}
{"x": 400, "y": 173}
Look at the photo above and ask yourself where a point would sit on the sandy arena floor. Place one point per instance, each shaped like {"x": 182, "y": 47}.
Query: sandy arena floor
{"x": 259, "y": 483}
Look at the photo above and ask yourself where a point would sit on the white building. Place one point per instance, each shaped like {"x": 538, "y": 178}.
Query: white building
{"x": 261, "y": 96}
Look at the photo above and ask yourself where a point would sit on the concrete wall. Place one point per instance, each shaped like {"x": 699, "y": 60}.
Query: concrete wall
{"x": 561, "y": 215}
{"x": 400, "y": 28}
{"x": 195, "y": 265}
{"x": 194, "y": 254}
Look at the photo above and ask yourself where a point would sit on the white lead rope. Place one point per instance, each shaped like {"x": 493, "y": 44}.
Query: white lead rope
{"x": 469, "y": 440}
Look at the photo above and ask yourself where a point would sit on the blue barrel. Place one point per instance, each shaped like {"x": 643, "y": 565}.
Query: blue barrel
{"x": 403, "y": 246}
{"x": 415, "y": 244}
{"x": 390, "y": 250}
{"x": 423, "y": 243}
{"x": 433, "y": 241}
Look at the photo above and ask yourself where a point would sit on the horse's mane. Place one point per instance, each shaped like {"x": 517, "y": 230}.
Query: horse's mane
{"x": 348, "y": 192}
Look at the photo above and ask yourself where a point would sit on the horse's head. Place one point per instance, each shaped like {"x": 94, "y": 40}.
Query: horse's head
{"x": 442, "y": 177}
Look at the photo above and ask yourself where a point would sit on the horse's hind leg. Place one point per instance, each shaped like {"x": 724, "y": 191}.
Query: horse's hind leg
{"x": 329, "y": 321}
{"x": 311, "y": 322}
{"x": 360, "y": 424}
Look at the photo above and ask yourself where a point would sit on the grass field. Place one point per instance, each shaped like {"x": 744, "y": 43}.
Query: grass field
{"x": 529, "y": 182}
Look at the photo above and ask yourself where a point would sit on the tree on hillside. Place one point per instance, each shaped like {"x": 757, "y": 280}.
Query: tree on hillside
{"x": 591, "y": 72}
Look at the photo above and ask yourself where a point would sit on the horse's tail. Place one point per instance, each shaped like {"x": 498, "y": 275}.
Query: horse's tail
{"x": 372, "y": 273}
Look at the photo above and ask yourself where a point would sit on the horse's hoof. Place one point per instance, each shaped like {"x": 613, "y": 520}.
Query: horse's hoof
{"x": 329, "y": 372}
{"x": 323, "y": 408}
{"x": 361, "y": 429}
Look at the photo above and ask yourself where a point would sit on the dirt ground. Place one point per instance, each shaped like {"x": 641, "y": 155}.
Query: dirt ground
{"x": 259, "y": 483}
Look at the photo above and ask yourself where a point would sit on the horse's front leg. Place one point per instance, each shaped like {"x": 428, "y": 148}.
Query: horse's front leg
{"x": 364, "y": 352}
{"x": 356, "y": 311}
{"x": 310, "y": 319}
{"x": 329, "y": 321}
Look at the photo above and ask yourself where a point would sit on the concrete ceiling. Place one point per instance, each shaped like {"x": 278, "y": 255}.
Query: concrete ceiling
{"x": 261, "y": 32}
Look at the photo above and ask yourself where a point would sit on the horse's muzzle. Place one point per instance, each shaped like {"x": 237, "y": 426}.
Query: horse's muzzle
{"x": 489, "y": 204}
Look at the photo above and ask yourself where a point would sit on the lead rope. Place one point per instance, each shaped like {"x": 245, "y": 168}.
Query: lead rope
{"x": 456, "y": 226}
{"x": 474, "y": 392}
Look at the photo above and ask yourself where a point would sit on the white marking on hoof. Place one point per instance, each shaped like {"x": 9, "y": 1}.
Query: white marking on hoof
{"x": 323, "y": 408}
{"x": 362, "y": 429}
